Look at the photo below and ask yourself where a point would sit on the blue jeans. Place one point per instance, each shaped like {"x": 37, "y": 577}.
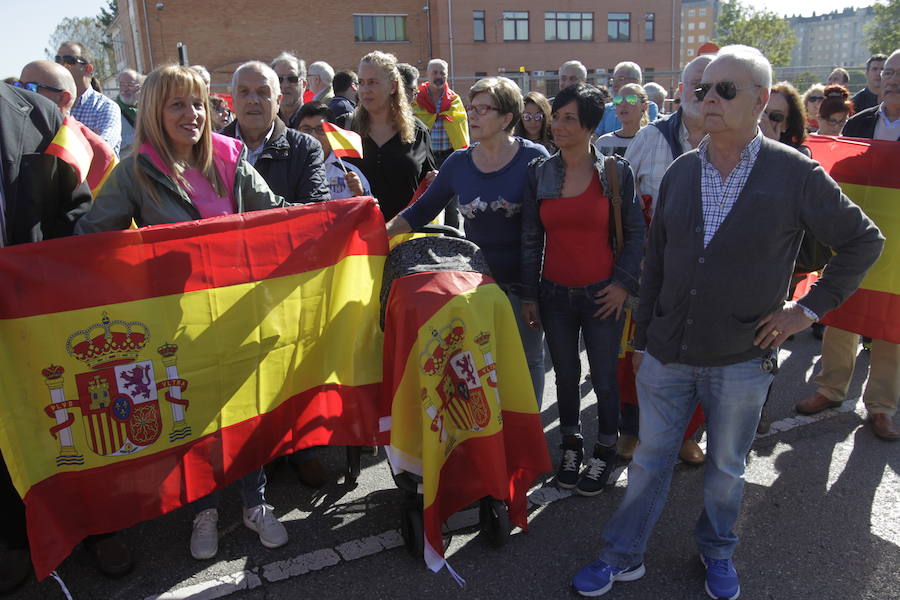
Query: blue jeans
{"x": 732, "y": 397}
{"x": 564, "y": 312}
{"x": 533, "y": 344}
{"x": 251, "y": 486}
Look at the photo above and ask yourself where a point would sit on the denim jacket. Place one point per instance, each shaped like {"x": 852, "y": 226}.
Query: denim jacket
{"x": 545, "y": 180}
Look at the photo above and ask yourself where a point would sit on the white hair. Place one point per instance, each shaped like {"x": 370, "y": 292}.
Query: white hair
{"x": 630, "y": 66}
{"x": 259, "y": 67}
{"x": 204, "y": 73}
{"x": 575, "y": 64}
{"x": 437, "y": 61}
{"x": 758, "y": 65}
{"x": 656, "y": 92}
{"x": 298, "y": 63}
{"x": 138, "y": 77}
{"x": 323, "y": 70}
{"x": 707, "y": 58}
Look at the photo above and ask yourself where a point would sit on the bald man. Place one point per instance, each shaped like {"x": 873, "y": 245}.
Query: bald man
{"x": 55, "y": 83}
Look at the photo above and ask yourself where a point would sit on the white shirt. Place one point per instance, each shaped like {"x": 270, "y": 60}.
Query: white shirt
{"x": 884, "y": 128}
{"x": 337, "y": 185}
{"x": 649, "y": 155}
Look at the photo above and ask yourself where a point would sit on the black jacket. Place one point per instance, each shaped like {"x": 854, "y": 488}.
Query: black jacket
{"x": 292, "y": 163}
{"x": 862, "y": 124}
{"x": 864, "y": 99}
{"x": 41, "y": 193}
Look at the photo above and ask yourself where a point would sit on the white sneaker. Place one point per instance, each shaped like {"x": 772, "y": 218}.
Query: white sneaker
{"x": 260, "y": 519}
{"x": 205, "y": 536}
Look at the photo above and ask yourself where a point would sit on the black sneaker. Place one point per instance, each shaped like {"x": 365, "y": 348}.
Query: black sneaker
{"x": 596, "y": 471}
{"x": 573, "y": 453}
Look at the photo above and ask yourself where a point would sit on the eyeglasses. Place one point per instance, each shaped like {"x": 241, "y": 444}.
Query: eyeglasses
{"x": 532, "y": 116}
{"x": 312, "y": 130}
{"x": 631, "y": 99}
{"x": 288, "y": 79}
{"x": 70, "y": 60}
{"x": 836, "y": 122}
{"x": 888, "y": 73}
{"x": 33, "y": 86}
{"x": 775, "y": 117}
{"x": 481, "y": 109}
{"x": 726, "y": 90}
{"x": 815, "y": 98}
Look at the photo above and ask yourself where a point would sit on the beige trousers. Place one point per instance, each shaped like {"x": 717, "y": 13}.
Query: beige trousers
{"x": 839, "y": 350}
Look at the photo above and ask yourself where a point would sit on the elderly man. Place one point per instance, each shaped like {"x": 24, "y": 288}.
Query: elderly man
{"x": 320, "y": 77}
{"x": 712, "y": 310}
{"x": 55, "y": 83}
{"x": 130, "y": 82}
{"x": 625, "y": 72}
{"x": 571, "y": 72}
{"x": 40, "y": 198}
{"x": 291, "y": 162}
{"x": 442, "y": 111}
{"x": 291, "y": 72}
{"x": 839, "y": 347}
{"x": 868, "y": 96}
{"x": 91, "y": 107}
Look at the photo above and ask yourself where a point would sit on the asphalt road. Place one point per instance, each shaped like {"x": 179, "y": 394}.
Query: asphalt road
{"x": 821, "y": 520}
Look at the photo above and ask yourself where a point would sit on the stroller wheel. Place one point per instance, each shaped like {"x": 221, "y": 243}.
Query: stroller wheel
{"x": 493, "y": 519}
{"x": 413, "y": 531}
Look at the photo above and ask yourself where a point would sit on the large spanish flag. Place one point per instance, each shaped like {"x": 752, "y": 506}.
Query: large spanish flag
{"x": 868, "y": 172}
{"x": 458, "y": 404}
{"x": 144, "y": 369}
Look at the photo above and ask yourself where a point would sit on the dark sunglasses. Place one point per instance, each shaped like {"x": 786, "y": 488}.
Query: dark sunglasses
{"x": 33, "y": 86}
{"x": 289, "y": 79}
{"x": 726, "y": 90}
{"x": 70, "y": 60}
{"x": 532, "y": 117}
{"x": 776, "y": 117}
{"x": 631, "y": 99}
{"x": 815, "y": 98}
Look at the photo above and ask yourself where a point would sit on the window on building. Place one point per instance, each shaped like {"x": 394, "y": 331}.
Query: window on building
{"x": 691, "y": 26}
{"x": 379, "y": 28}
{"x": 690, "y": 39}
{"x": 568, "y": 26}
{"x": 701, "y": 38}
{"x": 478, "y": 25}
{"x": 650, "y": 27}
{"x": 619, "y": 27}
{"x": 692, "y": 12}
{"x": 690, "y": 52}
{"x": 515, "y": 26}
{"x": 648, "y": 74}
{"x": 702, "y": 12}
{"x": 702, "y": 25}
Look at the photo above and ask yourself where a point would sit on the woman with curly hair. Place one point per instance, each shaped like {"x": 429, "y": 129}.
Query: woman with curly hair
{"x": 396, "y": 145}
{"x": 784, "y": 118}
{"x": 836, "y": 108}
{"x": 535, "y": 122}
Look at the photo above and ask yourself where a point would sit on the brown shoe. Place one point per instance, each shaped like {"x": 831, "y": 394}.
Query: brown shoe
{"x": 625, "y": 446}
{"x": 691, "y": 453}
{"x": 311, "y": 472}
{"x": 883, "y": 426}
{"x": 815, "y": 404}
{"x": 111, "y": 556}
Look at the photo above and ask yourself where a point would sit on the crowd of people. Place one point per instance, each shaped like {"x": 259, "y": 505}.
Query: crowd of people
{"x": 593, "y": 208}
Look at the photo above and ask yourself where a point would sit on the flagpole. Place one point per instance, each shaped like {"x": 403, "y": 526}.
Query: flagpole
{"x": 341, "y": 163}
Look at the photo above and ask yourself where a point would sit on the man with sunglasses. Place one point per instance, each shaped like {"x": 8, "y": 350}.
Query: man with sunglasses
{"x": 40, "y": 198}
{"x": 92, "y": 108}
{"x": 291, "y": 73}
{"x": 625, "y": 72}
{"x": 719, "y": 258}
{"x": 868, "y": 96}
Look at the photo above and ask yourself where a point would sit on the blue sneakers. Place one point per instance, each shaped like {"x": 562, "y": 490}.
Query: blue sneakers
{"x": 722, "y": 581}
{"x": 597, "y": 578}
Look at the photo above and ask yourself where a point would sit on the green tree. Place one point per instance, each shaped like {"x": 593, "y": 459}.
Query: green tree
{"x": 771, "y": 34}
{"x": 883, "y": 33}
{"x": 89, "y": 32}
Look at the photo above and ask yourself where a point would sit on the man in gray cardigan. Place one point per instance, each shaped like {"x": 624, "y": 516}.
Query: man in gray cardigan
{"x": 720, "y": 254}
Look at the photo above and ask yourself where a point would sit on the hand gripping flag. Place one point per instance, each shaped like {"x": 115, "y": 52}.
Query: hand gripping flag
{"x": 344, "y": 143}
{"x": 87, "y": 153}
{"x": 144, "y": 369}
{"x": 458, "y": 406}
{"x": 867, "y": 173}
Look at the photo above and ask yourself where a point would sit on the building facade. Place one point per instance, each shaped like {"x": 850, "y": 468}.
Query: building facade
{"x": 834, "y": 39}
{"x": 524, "y": 39}
{"x": 698, "y": 26}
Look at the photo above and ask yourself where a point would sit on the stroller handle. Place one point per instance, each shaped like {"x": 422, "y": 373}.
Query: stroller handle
{"x": 444, "y": 229}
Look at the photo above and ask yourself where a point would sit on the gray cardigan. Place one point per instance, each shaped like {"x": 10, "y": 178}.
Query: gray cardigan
{"x": 702, "y": 306}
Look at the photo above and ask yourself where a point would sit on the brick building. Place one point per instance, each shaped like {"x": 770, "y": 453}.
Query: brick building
{"x": 477, "y": 38}
{"x": 698, "y": 26}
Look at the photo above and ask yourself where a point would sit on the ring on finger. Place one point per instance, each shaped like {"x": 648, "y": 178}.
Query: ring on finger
{"x": 775, "y": 332}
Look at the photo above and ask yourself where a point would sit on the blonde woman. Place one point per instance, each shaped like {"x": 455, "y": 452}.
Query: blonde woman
{"x": 631, "y": 104}
{"x": 181, "y": 171}
{"x": 812, "y": 100}
{"x": 396, "y": 146}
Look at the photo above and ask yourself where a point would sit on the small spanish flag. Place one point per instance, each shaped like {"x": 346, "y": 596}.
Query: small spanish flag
{"x": 87, "y": 153}
{"x": 344, "y": 143}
